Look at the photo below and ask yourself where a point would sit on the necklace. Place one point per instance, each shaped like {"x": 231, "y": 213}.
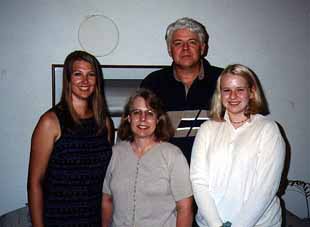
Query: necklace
{"x": 239, "y": 122}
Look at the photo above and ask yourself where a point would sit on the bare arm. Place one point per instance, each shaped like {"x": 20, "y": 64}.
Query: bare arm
{"x": 185, "y": 212}
{"x": 42, "y": 142}
{"x": 107, "y": 210}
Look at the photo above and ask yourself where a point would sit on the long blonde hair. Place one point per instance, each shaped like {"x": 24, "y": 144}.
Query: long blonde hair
{"x": 257, "y": 104}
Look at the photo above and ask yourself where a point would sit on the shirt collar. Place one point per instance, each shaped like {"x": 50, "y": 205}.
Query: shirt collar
{"x": 227, "y": 119}
{"x": 201, "y": 74}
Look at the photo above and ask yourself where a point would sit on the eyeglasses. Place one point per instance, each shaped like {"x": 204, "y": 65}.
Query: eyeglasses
{"x": 148, "y": 114}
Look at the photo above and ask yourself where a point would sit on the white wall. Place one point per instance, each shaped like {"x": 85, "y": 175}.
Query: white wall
{"x": 270, "y": 36}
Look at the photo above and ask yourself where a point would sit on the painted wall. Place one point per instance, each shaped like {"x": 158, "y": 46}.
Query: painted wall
{"x": 272, "y": 37}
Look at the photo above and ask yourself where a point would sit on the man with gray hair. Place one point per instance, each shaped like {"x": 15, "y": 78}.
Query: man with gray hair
{"x": 186, "y": 87}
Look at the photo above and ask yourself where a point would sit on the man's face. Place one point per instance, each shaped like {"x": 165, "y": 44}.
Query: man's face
{"x": 186, "y": 48}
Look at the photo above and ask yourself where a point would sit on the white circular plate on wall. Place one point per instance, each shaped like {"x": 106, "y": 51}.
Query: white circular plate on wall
{"x": 99, "y": 35}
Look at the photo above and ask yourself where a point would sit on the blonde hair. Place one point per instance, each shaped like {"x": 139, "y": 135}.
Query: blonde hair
{"x": 257, "y": 104}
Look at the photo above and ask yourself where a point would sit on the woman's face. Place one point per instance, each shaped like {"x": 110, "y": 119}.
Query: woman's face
{"x": 142, "y": 120}
{"x": 236, "y": 94}
{"x": 83, "y": 80}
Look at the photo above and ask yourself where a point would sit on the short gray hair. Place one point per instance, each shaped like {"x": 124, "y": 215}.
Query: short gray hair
{"x": 190, "y": 24}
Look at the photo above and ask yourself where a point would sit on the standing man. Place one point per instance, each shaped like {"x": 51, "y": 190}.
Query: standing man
{"x": 186, "y": 87}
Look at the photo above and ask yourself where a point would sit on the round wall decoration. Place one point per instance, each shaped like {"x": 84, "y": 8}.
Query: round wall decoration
{"x": 98, "y": 34}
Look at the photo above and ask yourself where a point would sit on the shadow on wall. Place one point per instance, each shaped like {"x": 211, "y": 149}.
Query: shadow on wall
{"x": 289, "y": 219}
{"x": 284, "y": 180}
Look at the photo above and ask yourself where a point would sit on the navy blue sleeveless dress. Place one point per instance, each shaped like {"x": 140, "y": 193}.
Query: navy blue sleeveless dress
{"x": 75, "y": 173}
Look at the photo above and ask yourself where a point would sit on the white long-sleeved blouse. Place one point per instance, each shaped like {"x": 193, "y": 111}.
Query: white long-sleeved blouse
{"x": 236, "y": 173}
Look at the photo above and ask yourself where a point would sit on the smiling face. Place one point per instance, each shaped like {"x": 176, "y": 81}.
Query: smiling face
{"x": 142, "y": 119}
{"x": 186, "y": 48}
{"x": 83, "y": 80}
{"x": 236, "y": 94}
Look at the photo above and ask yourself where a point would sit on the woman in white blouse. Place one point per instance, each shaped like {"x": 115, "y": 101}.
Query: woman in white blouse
{"x": 237, "y": 157}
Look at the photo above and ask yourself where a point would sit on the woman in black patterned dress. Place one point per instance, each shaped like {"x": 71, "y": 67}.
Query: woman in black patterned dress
{"x": 71, "y": 149}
